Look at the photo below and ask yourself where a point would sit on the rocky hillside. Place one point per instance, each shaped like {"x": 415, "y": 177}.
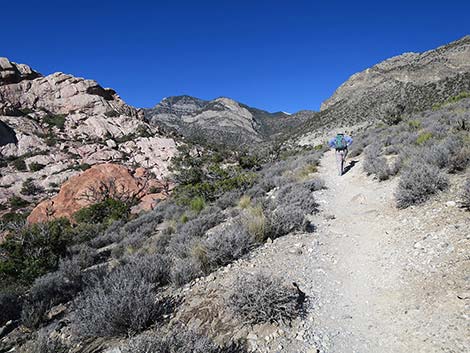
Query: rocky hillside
{"x": 400, "y": 85}
{"x": 221, "y": 120}
{"x": 54, "y": 127}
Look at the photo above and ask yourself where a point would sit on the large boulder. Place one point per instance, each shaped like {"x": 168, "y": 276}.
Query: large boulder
{"x": 80, "y": 191}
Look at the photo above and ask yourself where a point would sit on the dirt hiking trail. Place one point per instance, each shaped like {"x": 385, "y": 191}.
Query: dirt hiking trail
{"x": 370, "y": 288}
{"x": 357, "y": 272}
{"x": 377, "y": 279}
{"x": 366, "y": 296}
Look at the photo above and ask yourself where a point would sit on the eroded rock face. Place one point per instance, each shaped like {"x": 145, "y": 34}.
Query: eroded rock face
{"x": 409, "y": 69}
{"x": 78, "y": 191}
{"x": 403, "y": 84}
{"x": 60, "y": 124}
{"x": 58, "y": 93}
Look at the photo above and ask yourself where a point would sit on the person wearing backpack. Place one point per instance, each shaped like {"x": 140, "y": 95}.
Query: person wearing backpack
{"x": 340, "y": 143}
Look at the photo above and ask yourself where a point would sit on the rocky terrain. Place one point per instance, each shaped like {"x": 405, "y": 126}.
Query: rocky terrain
{"x": 126, "y": 230}
{"x": 53, "y": 127}
{"x": 222, "y": 120}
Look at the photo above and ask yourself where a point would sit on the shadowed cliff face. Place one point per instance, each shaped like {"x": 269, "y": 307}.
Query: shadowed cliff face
{"x": 7, "y": 135}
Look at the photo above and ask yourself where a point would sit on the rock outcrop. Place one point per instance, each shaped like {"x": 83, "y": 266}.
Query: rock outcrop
{"x": 58, "y": 93}
{"x": 52, "y": 127}
{"x": 407, "y": 72}
{"x": 81, "y": 190}
{"x": 403, "y": 84}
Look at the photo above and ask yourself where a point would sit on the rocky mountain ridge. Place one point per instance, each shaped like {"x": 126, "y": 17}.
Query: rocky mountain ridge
{"x": 401, "y": 85}
{"x": 222, "y": 120}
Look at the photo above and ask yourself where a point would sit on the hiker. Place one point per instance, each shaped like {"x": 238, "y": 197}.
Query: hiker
{"x": 340, "y": 143}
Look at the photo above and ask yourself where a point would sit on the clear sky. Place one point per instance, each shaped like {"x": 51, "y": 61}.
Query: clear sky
{"x": 273, "y": 55}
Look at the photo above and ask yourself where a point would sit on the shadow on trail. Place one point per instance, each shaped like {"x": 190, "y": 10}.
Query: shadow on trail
{"x": 349, "y": 166}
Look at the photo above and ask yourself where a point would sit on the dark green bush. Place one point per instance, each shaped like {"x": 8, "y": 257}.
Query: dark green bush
{"x": 20, "y": 165}
{"x": 55, "y": 120}
{"x": 34, "y": 250}
{"x": 35, "y": 167}
{"x": 10, "y": 307}
{"x": 106, "y": 212}
{"x": 17, "y": 202}
{"x": 30, "y": 188}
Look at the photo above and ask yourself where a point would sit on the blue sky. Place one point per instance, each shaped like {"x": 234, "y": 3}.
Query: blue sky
{"x": 273, "y": 55}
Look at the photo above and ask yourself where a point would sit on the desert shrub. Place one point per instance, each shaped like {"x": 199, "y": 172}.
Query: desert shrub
{"x": 106, "y": 212}
{"x": 206, "y": 220}
{"x": 227, "y": 245}
{"x": 284, "y": 220}
{"x": 376, "y": 164}
{"x": 34, "y": 250}
{"x": 424, "y": 137}
{"x": 153, "y": 268}
{"x": 10, "y": 307}
{"x": 17, "y": 202}
{"x": 197, "y": 204}
{"x": 440, "y": 154}
{"x": 305, "y": 172}
{"x": 20, "y": 165}
{"x": 299, "y": 195}
{"x": 314, "y": 184}
{"x": 55, "y": 120}
{"x": 184, "y": 270}
{"x": 260, "y": 298}
{"x": 254, "y": 221}
{"x": 465, "y": 195}
{"x": 30, "y": 188}
{"x": 44, "y": 343}
{"x": 414, "y": 124}
{"x": 35, "y": 167}
{"x": 118, "y": 304}
{"x": 418, "y": 182}
{"x": 245, "y": 201}
{"x": 460, "y": 160}
{"x": 47, "y": 291}
{"x": 228, "y": 199}
{"x": 392, "y": 114}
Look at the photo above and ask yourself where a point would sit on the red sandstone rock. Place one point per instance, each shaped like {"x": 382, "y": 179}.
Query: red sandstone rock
{"x": 77, "y": 192}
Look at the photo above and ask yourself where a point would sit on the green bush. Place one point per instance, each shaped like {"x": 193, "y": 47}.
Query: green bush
{"x": 35, "y": 167}
{"x": 197, "y": 204}
{"x": 13, "y": 217}
{"x": 55, "y": 120}
{"x": 424, "y": 137}
{"x": 30, "y": 188}
{"x": 20, "y": 165}
{"x": 34, "y": 250}
{"x": 105, "y": 212}
{"x": 17, "y": 202}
